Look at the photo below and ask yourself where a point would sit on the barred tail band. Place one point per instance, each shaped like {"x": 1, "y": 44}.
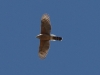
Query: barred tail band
{"x": 57, "y": 38}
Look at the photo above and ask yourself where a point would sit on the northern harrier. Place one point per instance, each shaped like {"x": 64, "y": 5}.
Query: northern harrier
{"x": 45, "y": 36}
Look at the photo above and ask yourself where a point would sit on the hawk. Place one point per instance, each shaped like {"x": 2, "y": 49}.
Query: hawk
{"x": 45, "y": 36}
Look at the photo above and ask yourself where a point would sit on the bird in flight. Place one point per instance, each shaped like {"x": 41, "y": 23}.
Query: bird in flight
{"x": 45, "y": 36}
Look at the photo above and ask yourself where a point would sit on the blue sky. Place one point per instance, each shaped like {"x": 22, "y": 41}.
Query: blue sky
{"x": 77, "y": 21}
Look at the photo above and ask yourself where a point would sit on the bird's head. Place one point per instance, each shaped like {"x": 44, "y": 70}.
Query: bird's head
{"x": 38, "y": 36}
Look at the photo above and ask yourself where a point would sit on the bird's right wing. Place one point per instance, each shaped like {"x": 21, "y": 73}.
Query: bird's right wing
{"x": 43, "y": 48}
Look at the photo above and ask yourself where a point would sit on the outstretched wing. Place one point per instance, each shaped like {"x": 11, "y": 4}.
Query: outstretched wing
{"x": 45, "y": 24}
{"x": 43, "y": 48}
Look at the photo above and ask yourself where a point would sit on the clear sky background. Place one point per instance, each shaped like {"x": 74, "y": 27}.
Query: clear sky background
{"x": 77, "y": 21}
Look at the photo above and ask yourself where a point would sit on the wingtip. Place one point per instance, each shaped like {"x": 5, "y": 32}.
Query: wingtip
{"x": 42, "y": 56}
{"x": 45, "y": 16}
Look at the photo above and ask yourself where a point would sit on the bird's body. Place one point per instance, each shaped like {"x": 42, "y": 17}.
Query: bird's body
{"x": 49, "y": 37}
{"x": 45, "y": 36}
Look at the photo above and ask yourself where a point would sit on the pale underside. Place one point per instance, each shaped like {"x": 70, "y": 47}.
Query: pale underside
{"x": 45, "y": 29}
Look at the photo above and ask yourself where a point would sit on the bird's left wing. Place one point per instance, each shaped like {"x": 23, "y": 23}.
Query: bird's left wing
{"x": 45, "y": 24}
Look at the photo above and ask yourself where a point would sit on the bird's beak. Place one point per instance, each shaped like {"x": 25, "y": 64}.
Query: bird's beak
{"x": 36, "y": 36}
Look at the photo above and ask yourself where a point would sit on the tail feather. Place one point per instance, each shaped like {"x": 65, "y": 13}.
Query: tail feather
{"x": 57, "y": 38}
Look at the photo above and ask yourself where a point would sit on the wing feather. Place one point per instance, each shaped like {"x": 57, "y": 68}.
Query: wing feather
{"x": 45, "y": 24}
{"x": 43, "y": 48}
